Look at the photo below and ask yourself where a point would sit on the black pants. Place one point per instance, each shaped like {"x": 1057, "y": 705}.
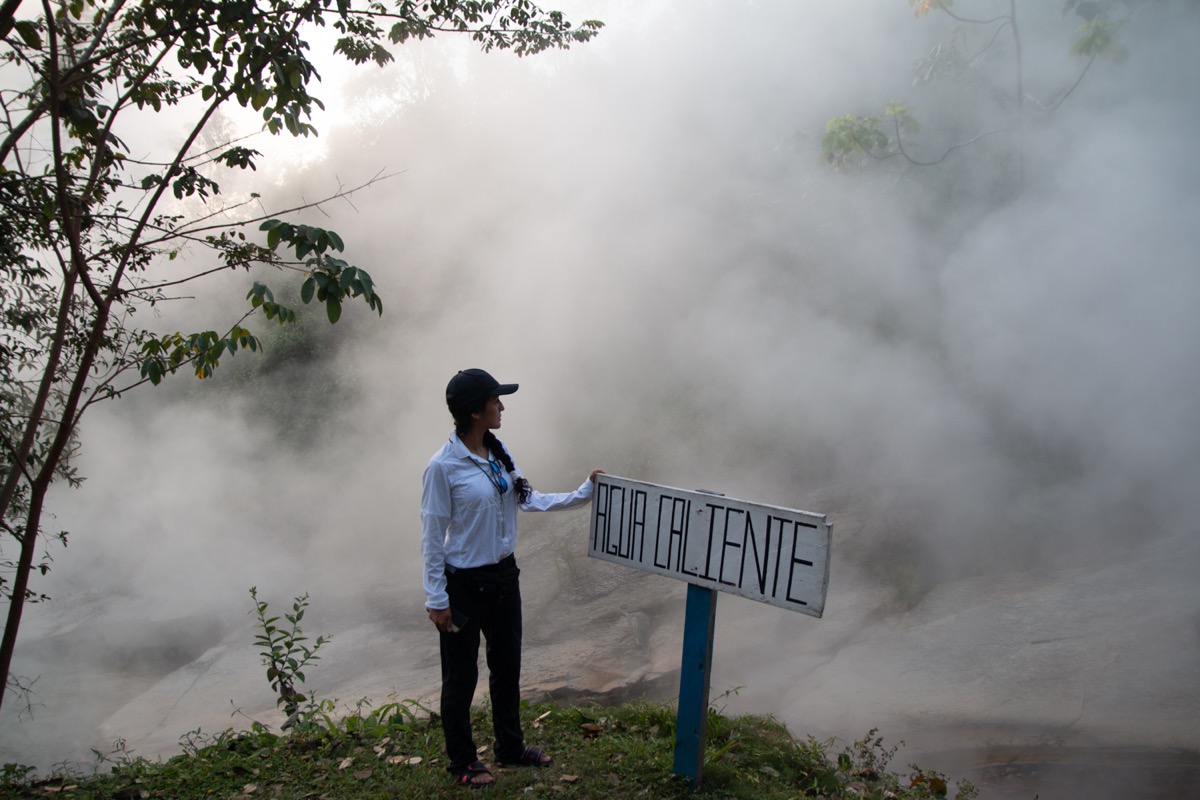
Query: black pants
{"x": 490, "y": 597}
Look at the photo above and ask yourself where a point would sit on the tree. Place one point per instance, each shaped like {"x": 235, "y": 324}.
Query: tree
{"x": 854, "y": 139}
{"x": 90, "y": 234}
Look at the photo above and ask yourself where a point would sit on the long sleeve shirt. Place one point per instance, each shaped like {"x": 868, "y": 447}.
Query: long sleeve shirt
{"x": 466, "y": 522}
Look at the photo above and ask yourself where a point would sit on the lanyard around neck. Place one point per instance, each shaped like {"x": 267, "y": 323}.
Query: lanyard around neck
{"x": 493, "y": 475}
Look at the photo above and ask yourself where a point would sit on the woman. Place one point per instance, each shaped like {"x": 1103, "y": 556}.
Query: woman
{"x": 471, "y": 493}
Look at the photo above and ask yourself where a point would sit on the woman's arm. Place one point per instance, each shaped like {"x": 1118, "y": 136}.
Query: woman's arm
{"x": 539, "y": 501}
{"x": 435, "y": 518}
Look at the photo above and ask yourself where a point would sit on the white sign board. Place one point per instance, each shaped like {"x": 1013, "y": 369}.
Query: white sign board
{"x": 774, "y": 555}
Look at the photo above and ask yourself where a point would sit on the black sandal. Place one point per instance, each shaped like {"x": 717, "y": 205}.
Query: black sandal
{"x": 468, "y": 774}
{"x": 532, "y": 756}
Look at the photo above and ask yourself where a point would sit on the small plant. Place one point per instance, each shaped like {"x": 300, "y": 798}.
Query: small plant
{"x": 16, "y": 774}
{"x": 865, "y": 764}
{"x": 284, "y": 653}
{"x": 366, "y": 722}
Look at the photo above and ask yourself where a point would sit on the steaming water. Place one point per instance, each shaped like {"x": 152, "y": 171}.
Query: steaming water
{"x": 995, "y": 402}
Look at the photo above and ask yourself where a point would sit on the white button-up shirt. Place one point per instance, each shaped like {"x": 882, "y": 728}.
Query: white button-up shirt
{"x": 466, "y": 522}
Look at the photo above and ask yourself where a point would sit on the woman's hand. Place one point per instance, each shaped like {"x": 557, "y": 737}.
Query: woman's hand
{"x": 595, "y": 472}
{"x": 442, "y": 619}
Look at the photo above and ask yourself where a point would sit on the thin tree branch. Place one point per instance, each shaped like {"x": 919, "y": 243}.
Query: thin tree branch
{"x": 1068, "y": 92}
{"x": 950, "y": 13}
{"x": 900, "y": 151}
{"x": 185, "y": 362}
{"x": 995, "y": 35}
{"x": 341, "y": 194}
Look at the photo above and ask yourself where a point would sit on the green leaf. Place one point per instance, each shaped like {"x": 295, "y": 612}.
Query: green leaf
{"x": 29, "y": 32}
{"x": 261, "y": 293}
{"x": 152, "y": 369}
{"x": 333, "y": 308}
{"x": 306, "y": 290}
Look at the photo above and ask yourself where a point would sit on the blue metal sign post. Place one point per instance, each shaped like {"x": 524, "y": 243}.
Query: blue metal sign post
{"x": 695, "y": 672}
{"x": 779, "y": 556}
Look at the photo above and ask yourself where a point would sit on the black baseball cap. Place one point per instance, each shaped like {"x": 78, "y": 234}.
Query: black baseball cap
{"x": 471, "y": 387}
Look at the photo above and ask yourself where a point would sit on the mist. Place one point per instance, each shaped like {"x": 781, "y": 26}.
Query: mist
{"x": 991, "y": 390}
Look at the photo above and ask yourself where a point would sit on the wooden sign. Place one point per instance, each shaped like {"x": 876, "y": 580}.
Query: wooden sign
{"x": 774, "y": 555}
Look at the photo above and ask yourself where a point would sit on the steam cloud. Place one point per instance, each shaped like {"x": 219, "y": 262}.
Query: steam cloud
{"x": 998, "y": 410}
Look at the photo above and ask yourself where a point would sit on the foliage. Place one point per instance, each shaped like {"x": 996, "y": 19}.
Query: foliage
{"x": 1098, "y": 39}
{"x": 854, "y": 140}
{"x": 849, "y": 137}
{"x": 99, "y": 225}
{"x": 284, "y": 652}
{"x": 395, "y": 750}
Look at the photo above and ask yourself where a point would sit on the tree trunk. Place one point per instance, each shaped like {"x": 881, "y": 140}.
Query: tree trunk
{"x": 8, "y": 14}
{"x": 20, "y": 585}
{"x": 1020, "y": 79}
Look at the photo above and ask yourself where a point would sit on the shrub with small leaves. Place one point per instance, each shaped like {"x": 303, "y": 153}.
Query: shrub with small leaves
{"x": 284, "y": 652}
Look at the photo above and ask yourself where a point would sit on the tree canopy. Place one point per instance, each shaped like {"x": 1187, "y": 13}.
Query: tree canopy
{"x": 853, "y": 140}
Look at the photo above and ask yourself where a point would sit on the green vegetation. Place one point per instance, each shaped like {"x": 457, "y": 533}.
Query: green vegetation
{"x": 283, "y": 652}
{"x": 969, "y": 59}
{"x": 396, "y": 751}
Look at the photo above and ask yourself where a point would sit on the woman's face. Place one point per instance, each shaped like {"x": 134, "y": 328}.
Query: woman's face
{"x": 489, "y": 418}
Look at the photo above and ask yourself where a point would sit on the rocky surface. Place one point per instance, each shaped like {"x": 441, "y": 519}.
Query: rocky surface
{"x": 1069, "y": 661}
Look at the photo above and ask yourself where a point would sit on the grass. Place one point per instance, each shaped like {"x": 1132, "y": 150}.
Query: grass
{"x": 395, "y": 751}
